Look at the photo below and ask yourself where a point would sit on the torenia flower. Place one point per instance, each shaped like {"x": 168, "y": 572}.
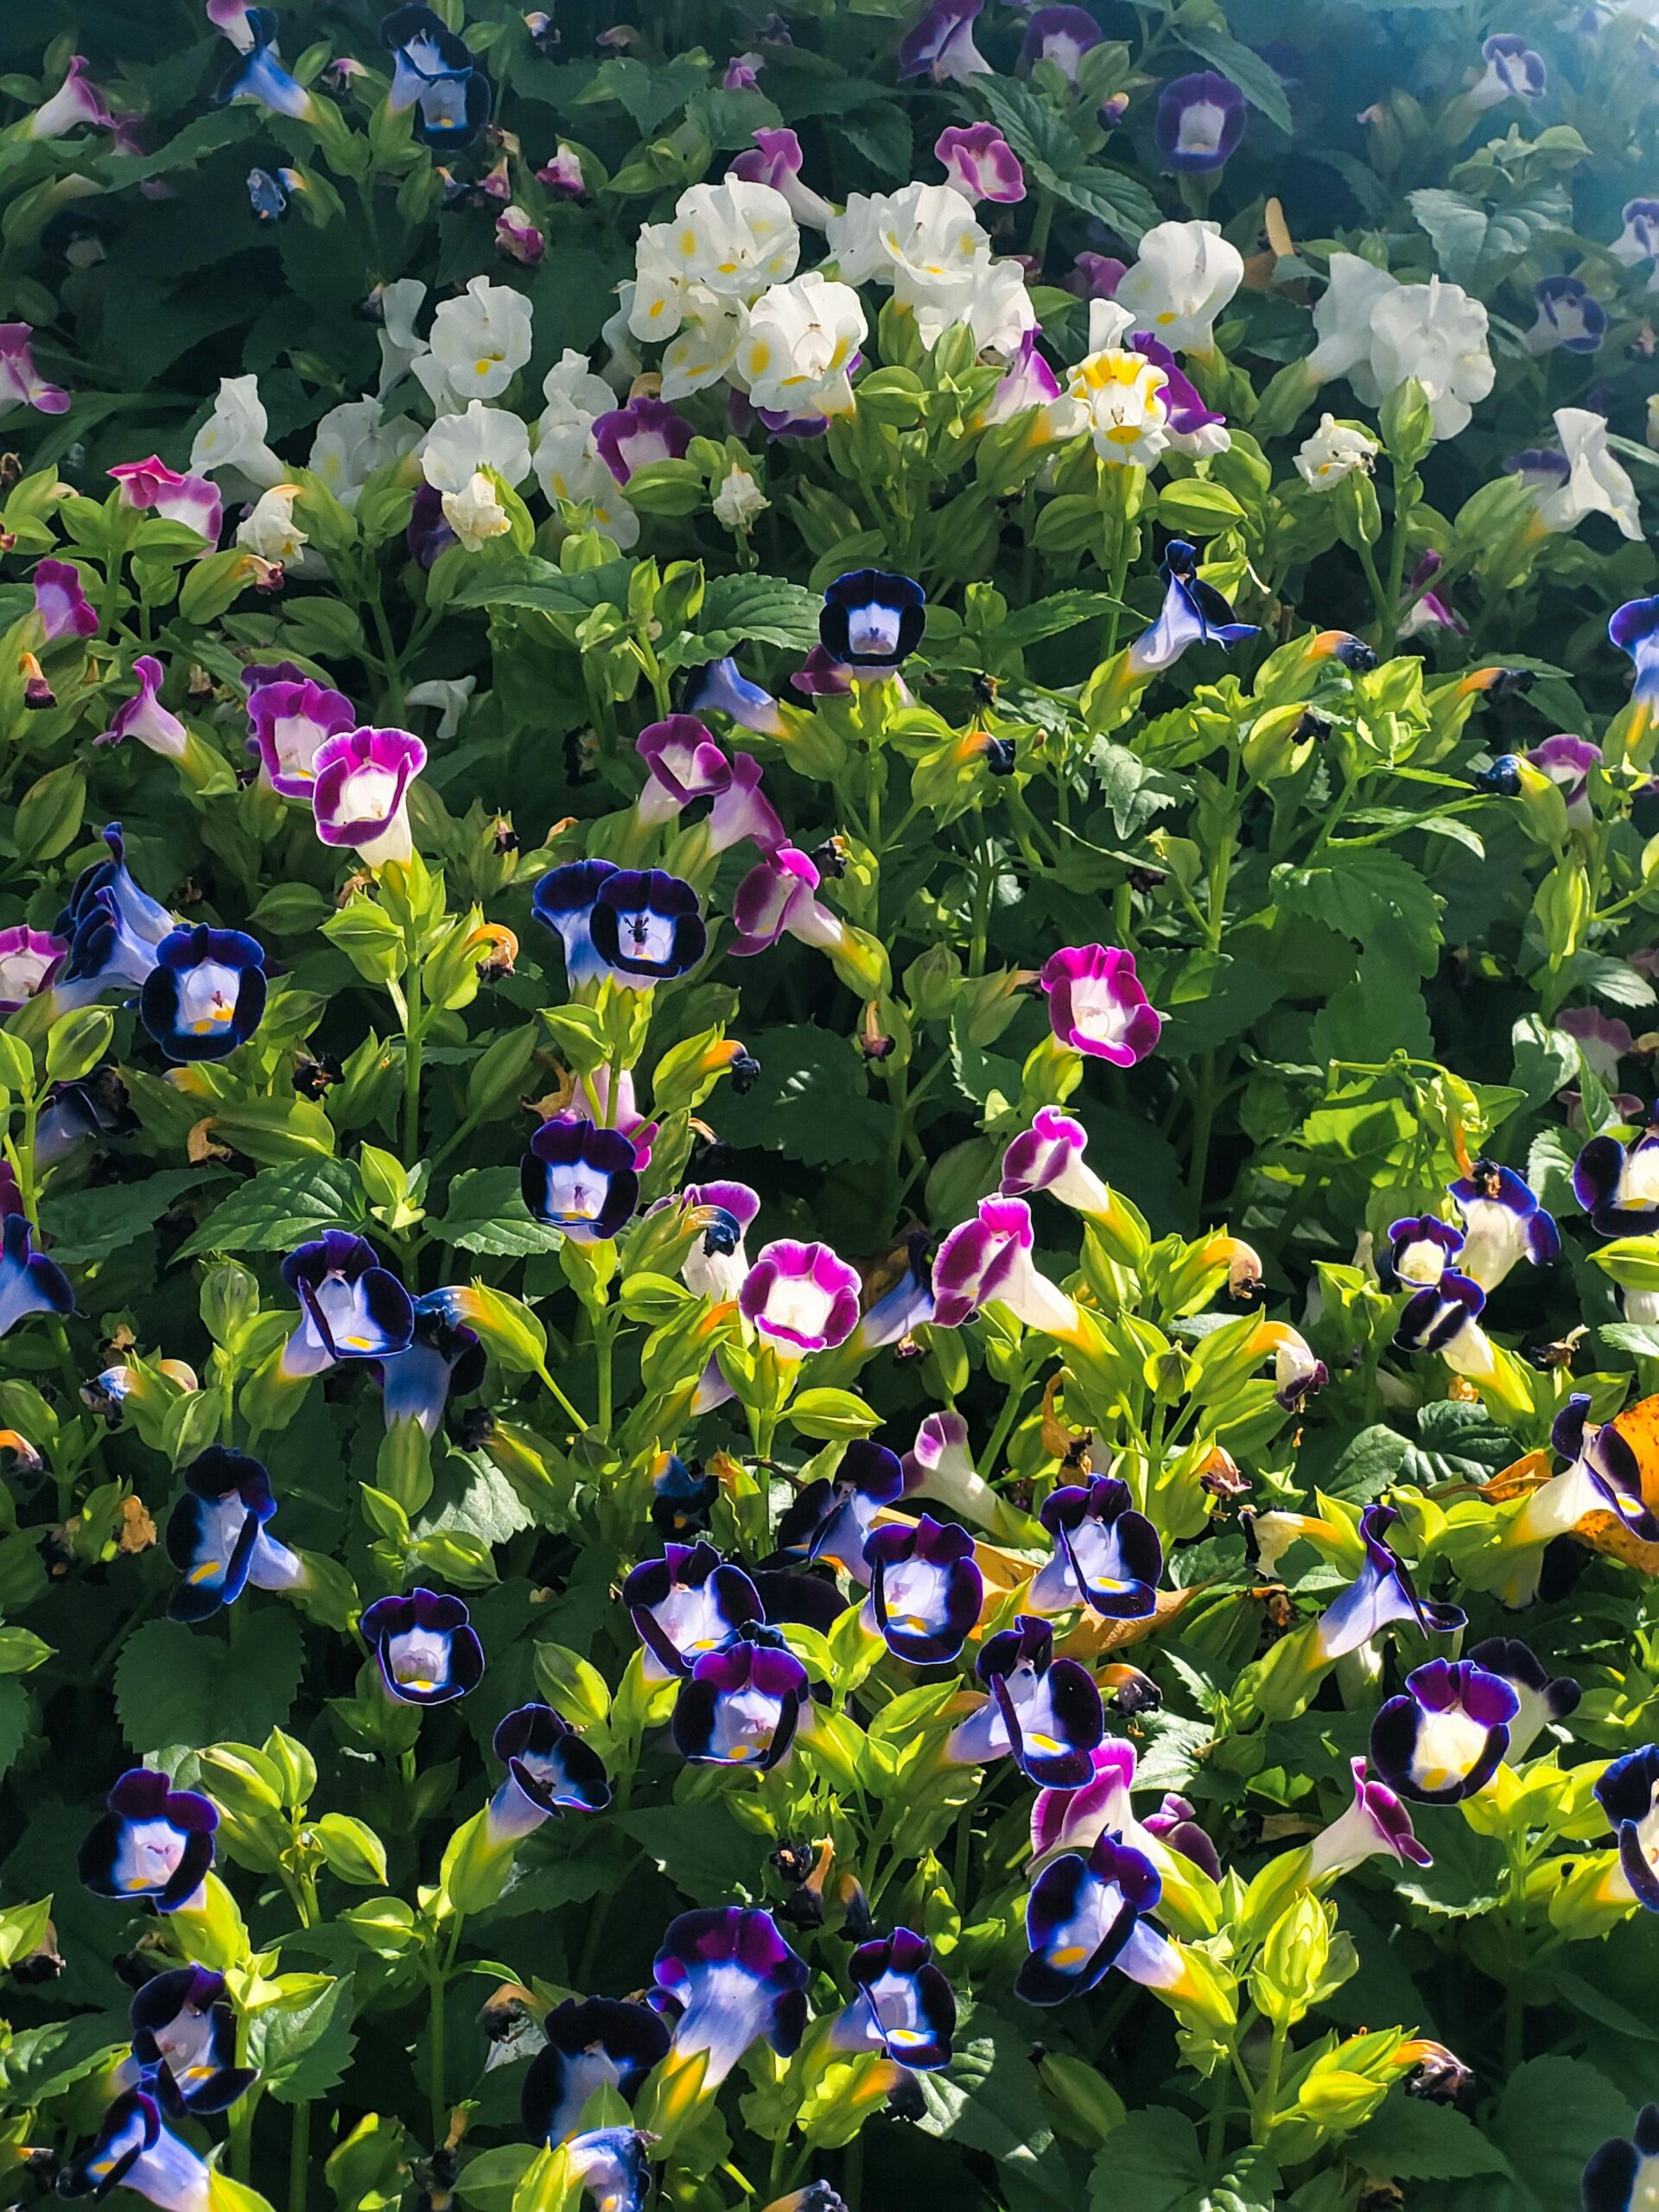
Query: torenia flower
{"x": 290, "y": 720}
{"x": 133, "y": 2149}
{"x": 800, "y": 1298}
{"x": 687, "y": 1603}
{"x": 435, "y": 74}
{"x": 1200, "y": 123}
{"x": 741, "y": 1706}
{"x": 1628, "y": 1793}
{"x": 1446, "y": 1737}
{"x": 727, "y": 1977}
{"x": 153, "y": 485}
{"x": 1421, "y": 1247}
{"x": 647, "y": 927}
{"x": 1635, "y": 630}
{"x": 1333, "y": 451}
{"x": 1375, "y": 1826}
{"x": 361, "y": 788}
{"x": 61, "y": 607}
{"x": 233, "y": 436}
{"x": 872, "y": 620}
{"x": 1623, "y": 2176}
{"x": 22, "y": 384}
{"x": 427, "y": 1650}
{"x": 563, "y": 901}
{"x": 925, "y": 1589}
{"x": 445, "y": 1358}
{"x": 775, "y": 159}
{"x": 1046, "y": 1712}
{"x": 990, "y": 1257}
{"x": 1194, "y": 613}
{"x": 570, "y": 472}
{"x": 1603, "y": 1476}
{"x": 1639, "y": 240}
{"x": 775, "y": 900}
{"x": 1122, "y": 394}
{"x": 799, "y": 345}
{"x": 1437, "y": 334}
{"x": 562, "y": 176}
{"x": 1048, "y": 1156}
{"x": 351, "y": 441}
{"x": 351, "y": 1308}
{"x": 739, "y": 501}
{"x": 923, "y": 240}
{"x": 1061, "y": 36}
{"x": 76, "y": 101}
{"x": 1098, "y": 1006}
{"x": 1444, "y": 1317}
{"x": 1080, "y": 1914}
{"x": 481, "y": 339}
{"x": 30, "y": 961}
{"x": 735, "y": 238}
{"x": 475, "y": 513}
{"x": 1107, "y": 1556}
{"x": 1569, "y": 316}
{"x": 259, "y": 76}
{"x": 113, "y": 929}
{"x": 1540, "y": 1702}
{"x": 940, "y": 1465}
{"x": 1619, "y": 1185}
{"x": 216, "y": 1536}
{"x": 153, "y": 1842}
{"x": 458, "y": 446}
{"x": 581, "y": 1180}
{"x": 941, "y": 46}
{"x": 271, "y": 530}
{"x": 1503, "y": 1224}
{"x": 550, "y": 1771}
{"x": 980, "y": 164}
{"x": 905, "y": 2007}
{"x": 206, "y": 995}
{"x": 184, "y": 2042}
{"x": 1567, "y": 761}
{"x": 831, "y": 1519}
{"x": 1513, "y": 71}
{"x": 593, "y": 2043}
{"x": 520, "y": 238}
{"x": 144, "y": 717}
{"x": 29, "y": 1283}
{"x": 1590, "y": 479}
{"x": 1342, "y": 322}
{"x": 1383, "y": 1592}
{"x": 1184, "y": 277}
{"x": 638, "y": 434}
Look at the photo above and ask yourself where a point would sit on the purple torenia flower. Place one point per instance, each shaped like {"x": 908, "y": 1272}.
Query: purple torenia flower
{"x": 581, "y": 1179}
{"x": 563, "y": 901}
{"x": 721, "y": 687}
{"x": 29, "y": 1283}
{"x": 1503, "y": 1224}
{"x": 1061, "y": 35}
{"x": 941, "y": 46}
{"x": 990, "y": 1257}
{"x": 1107, "y": 1556}
{"x": 562, "y": 176}
{"x": 800, "y": 1298}
{"x": 905, "y": 2007}
{"x": 435, "y": 72}
{"x": 1446, "y": 1737}
{"x": 144, "y": 717}
{"x": 184, "y": 2042}
{"x": 1425, "y": 609}
{"x": 216, "y": 1536}
{"x": 1421, "y": 1247}
{"x": 1046, "y": 1711}
{"x": 1193, "y": 429}
{"x": 776, "y": 159}
{"x": 819, "y": 675}
{"x": 22, "y": 384}
{"x": 729, "y": 1978}
{"x": 1540, "y": 1702}
{"x": 775, "y": 900}
{"x": 259, "y": 75}
{"x": 1623, "y": 2176}
{"x": 593, "y": 2043}
{"x": 152, "y": 484}
{"x": 925, "y": 1588}
{"x": 550, "y": 1771}
{"x": 153, "y": 1842}
{"x": 77, "y": 100}
{"x": 1048, "y": 1156}
{"x": 979, "y": 163}
{"x": 205, "y": 993}
{"x": 1075, "y": 1819}
{"x": 359, "y": 791}
{"x": 1199, "y": 122}
{"x": 940, "y": 1465}
{"x": 445, "y": 1358}
{"x": 1639, "y": 240}
{"x": 290, "y": 721}
{"x": 647, "y": 927}
{"x": 686, "y": 1604}
{"x": 519, "y": 238}
{"x": 61, "y": 604}
{"x": 1570, "y": 316}
{"x": 1376, "y": 1825}
{"x": 1097, "y": 1003}
{"x": 685, "y": 764}
{"x": 1628, "y": 1793}
{"x": 1097, "y": 275}
{"x": 1617, "y": 1186}
{"x": 1513, "y": 71}
{"x": 1566, "y": 759}
{"x": 428, "y": 533}
{"x": 872, "y": 620}
{"x": 1079, "y": 1917}
{"x": 830, "y": 1519}
{"x": 635, "y": 437}
{"x": 427, "y": 1650}
{"x": 133, "y": 2149}
{"x": 351, "y": 1308}
{"x": 741, "y": 1706}
{"x": 1380, "y": 1592}
{"x": 113, "y": 929}
{"x": 1635, "y": 630}
{"x": 1193, "y": 614}
{"x": 716, "y": 1266}
{"x": 30, "y": 962}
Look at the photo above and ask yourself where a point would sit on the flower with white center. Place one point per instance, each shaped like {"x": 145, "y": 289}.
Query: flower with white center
{"x": 572, "y": 393}
{"x": 1437, "y": 334}
{"x": 481, "y": 340}
{"x": 734, "y": 237}
{"x": 1639, "y": 240}
{"x": 400, "y": 301}
{"x": 1513, "y": 72}
{"x": 570, "y": 472}
{"x": 233, "y": 436}
{"x": 1186, "y": 274}
{"x": 1342, "y": 322}
{"x": 993, "y": 302}
{"x": 1333, "y": 451}
{"x": 1122, "y": 394}
{"x": 352, "y": 441}
{"x": 271, "y": 530}
{"x": 475, "y": 513}
{"x": 458, "y": 446}
{"x": 923, "y": 240}
{"x": 448, "y": 694}
{"x": 800, "y": 341}
{"x": 1596, "y": 483}
{"x": 704, "y": 347}
{"x": 739, "y": 499}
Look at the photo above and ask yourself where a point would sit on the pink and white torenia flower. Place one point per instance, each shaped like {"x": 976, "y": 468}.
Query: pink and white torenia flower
{"x": 980, "y": 164}
{"x": 30, "y": 962}
{"x": 144, "y": 717}
{"x": 22, "y": 384}
{"x": 189, "y": 499}
{"x": 61, "y": 606}
{"x": 1097, "y": 1004}
{"x": 990, "y": 1258}
{"x": 776, "y": 159}
{"x": 290, "y": 721}
{"x": 686, "y": 765}
{"x": 775, "y": 900}
{"x": 1048, "y": 1156}
{"x": 1376, "y": 1825}
{"x": 800, "y": 1298}
{"x": 361, "y": 792}
{"x": 77, "y": 100}
{"x": 938, "y": 1466}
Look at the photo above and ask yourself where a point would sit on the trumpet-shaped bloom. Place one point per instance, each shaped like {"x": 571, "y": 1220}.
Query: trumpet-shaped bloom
{"x": 1200, "y": 123}
{"x": 872, "y": 620}
{"x": 184, "y": 2042}
{"x": 1048, "y": 1156}
{"x": 581, "y": 1179}
{"x": 1421, "y": 1247}
{"x": 728, "y": 1978}
{"x": 1513, "y": 72}
{"x": 610, "y": 2163}
{"x": 741, "y": 1706}
{"x": 435, "y": 72}
{"x": 990, "y": 1257}
{"x": 1623, "y": 2176}
{"x": 1120, "y": 393}
{"x": 144, "y": 717}
{"x": 1074, "y": 1820}
{"x": 1333, "y": 451}
{"x": 205, "y": 993}
{"x": 1604, "y": 1475}
{"x": 1635, "y": 630}
{"x": 113, "y": 929}
{"x": 77, "y": 100}
{"x": 133, "y": 2149}
{"x": 925, "y": 1588}
{"x": 940, "y": 1465}
{"x": 1194, "y": 613}
{"x": 1375, "y": 1826}
{"x": 550, "y": 1771}
{"x": 1540, "y": 1702}
{"x": 1436, "y": 334}
{"x": 1061, "y": 36}
{"x": 1080, "y": 1914}
{"x": 30, "y": 961}
{"x": 61, "y": 607}
{"x": 1587, "y": 478}
{"x": 1628, "y": 1793}
{"x": 457, "y": 446}
{"x": 427, "y": 1650}
{"x": 1446, "y": 1737}
{"x": 720, "y": 685}
{"x": 593, "y": 2043}
{"x": 1193, "y": 427}
{"x": 647, "y": 927}
{"x": 941, "y": 46}
{"x": 687, "y": 1604}
{"x": 1044, "y": 1711}
{"x": 716, "y": 1266}
{"x": 799, "y": 346}
{"x": 1383, "y": 1592}
{"x": 22, "y": 384}
{"x": 233, "y": 436}
{"x": 445, "y": 1359}
{"x": 563, "y": 901}
{"x": 800, "y": 1298}
{"x": 775, "y": 159}
{"x": 1342, "y": 322}
{"x": 1570, "y": 316}
{"x": 684, "y": 764}
{"x": 831, "y": 1519}
{"x": 290, "y": 721}
{"x": 259, "y": 76}
{"x": 1567, "y": 761}
{"x": 1107, "y": 1556}
{"x": 359, "y": 791}
{"x": 1183, "y": 278}
{"x": 1503, "y": 1224}
{"x": 1444, "y": 1317}
{"x": 1098, "y": 1006}
{"x": 351, "y": 1308}
{"x": 1639, "y": 240}
{"x": 904, "y": 2007}
{"x": 640, "y": 433}
{"x": 980, "y": 164}
{"x": 1617, "y": 1184}
{"x": 152, "y": 1841}
{"x": 775, "y": 900}
{"x": 29, "y": 1283}
{"x": 217, "y": 1536}
{"x": 922, "y": 239}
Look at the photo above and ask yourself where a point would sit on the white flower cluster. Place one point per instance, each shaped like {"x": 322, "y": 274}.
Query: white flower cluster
{"x": 1378, "y": 333}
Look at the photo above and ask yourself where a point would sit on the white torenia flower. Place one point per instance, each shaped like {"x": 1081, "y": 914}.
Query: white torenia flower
{"x": 233, "y": 436}
{"x": 400, "y": 301}
{"x": 571, "y": 389}
{"x": 1342, "y": 322}
{"x": 271, "y": 530}
{"x": 923, "y": 240}
{"x": 704, "y": 347}
{"x": 352, "y": 440}
{"x": 800, "y": 342}
{"x": 1333, "y": 451}
{"x": 739, "y": 499}
{"x": 568, "y": 468}
{"x": 1596, "y": 482}
{"x": 1123, "y": 395}
{"x": 1437, "y": 334}
{"x": 996, "y": 306}
{"x": 458, "y": 446}
{"x": 1186, "y": 274}
{"x": 475, "y": 513}
{"x": 481, "y": 340}
{"x": 734, "y": 238}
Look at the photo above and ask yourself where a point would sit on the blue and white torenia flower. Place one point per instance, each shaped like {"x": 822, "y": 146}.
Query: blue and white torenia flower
{"x": 1617, "y": 1184}
{"x": 925, "y": 1588}
{"x": 1381, "y": 1592}
{"x": 741, "y": 1706}
{"x": 184, "y": 2042}
{"x": 831, "y": 1519}
{"x": 1513, "y": 71}
{"x": 563, "y": 901}
{"x": 1200, "y": 123}
{"x": 436, "y": 73}
{"x": 445, "y": 1359}
{"x": 1080, "y": 1914}
{"x": 729, "y": 1978}
{"x": 686, "y": 1604}
{"x": 206, "y": 995}
{"x": 581, "y": 1179}
{"x": 1503, "y": 1224}
{"x": 1194, "y": 613}
{"x": 1107, "y": 1556}
{"x": 152, "y": 1841}
{"x": 1444, "y": 1317}
{"x": 114, "y": 930}
{"x": 29, "y": 1283}
{"x": 351, "y": 1308}
{"x": 1570, "y": 317}
{"x": 1446, "y": 1737}
{"x": 1635, "y": 630}
{"x": 1046, "y": 1712}
{"x": 427, "y": 1649}
{"x": 647, "y": 927}
{"x": 610, "y": 2163}
{"x": 259, "y": 75}
{"x": 1623, "y": 2176}
{"x": 905, "y": 2007}
{"x": 550, "y": 1771}
{"x": 1628, "y": 1793}
{"x": 901, "y": 1308}
{"x": 217, "y": 1538}
{"x": 1540, "y": 1703}
{"x": 721, "y": 687}
{"x": 133, "y": 2149}
{"x": 593, "y": 2043}
{"x": 872, "y": 620}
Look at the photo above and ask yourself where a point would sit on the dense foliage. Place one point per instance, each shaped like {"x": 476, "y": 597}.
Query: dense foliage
{"x": 830, "y": 1253}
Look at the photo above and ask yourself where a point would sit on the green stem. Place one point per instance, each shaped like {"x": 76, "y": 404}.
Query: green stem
{"x": 1269, "y": 2100}
{"x": 299, "y": 2156}
{"x": 413, "y": 1042}
{"x": 1005, "y": 1421}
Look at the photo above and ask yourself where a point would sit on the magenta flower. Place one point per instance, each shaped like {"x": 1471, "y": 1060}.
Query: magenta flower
{"x": 1028, "y": 381}
{"x": 362, "y": 784}
{"x": 189, "y": 499}
{"x": 63, "y": 607}
{"x": 776, "y": 159}
{"x": 743, "y": 73}
{"x": 1425, "y": 609}
{"x": 1061, "y": 35}
{"x": 990, "y": 1257}
{"x": 775, "y": 900}
{"x": 22, "y": 384}
{"x": 1097, "y": 275}
{"x": 1375, "y": 1825}
{"x": 519, "y": 237}
{"x": 942, "y": 45}
{"x": 1567, "y": 760}
{"x": 685, "y": 764}
{"x": 636, "y": 436}
{"x": 290, "y": 720}
{"x": 821, "y": 676}
{"x": 1097, "y": 1005}
{"x": 800, "y": 1298}
{"x": 562, "y": 176}
{"x": 1604, "y": 1040}
{"x": 29, "y": 961}
{"x": 979, "y": 163}
{"x": 144, "y": 717}
{"x": 77, "y": 100}
{"x": 1048, "y": 1156}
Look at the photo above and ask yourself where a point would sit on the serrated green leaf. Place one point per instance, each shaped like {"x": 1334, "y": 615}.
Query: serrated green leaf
{"x": 281, "y": 1208}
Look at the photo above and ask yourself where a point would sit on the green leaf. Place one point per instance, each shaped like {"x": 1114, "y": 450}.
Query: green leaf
{"x": 1466, "y": 238}
{"x": 281, "y": 1208}
{"x": 1358, "y": 892}
{"x": 43, "y": 2062}
{"x": 1054, "y": 158}
{"x": 87, "y": 1225}
{"x": 540, "y": 586}
{"x": 1410, "y": 2140}
{"x": 177, "y": 1685}
{"x": 302, "y": 2053}
{"x": 1383, "y": 1001}
{"x": 1246, "y": 70}
{"x": 809, "y": 1102}
{"x": 486, "y": 1213}
{"x": 757, "y": 610}
{"x": 1553, "y": 2113}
